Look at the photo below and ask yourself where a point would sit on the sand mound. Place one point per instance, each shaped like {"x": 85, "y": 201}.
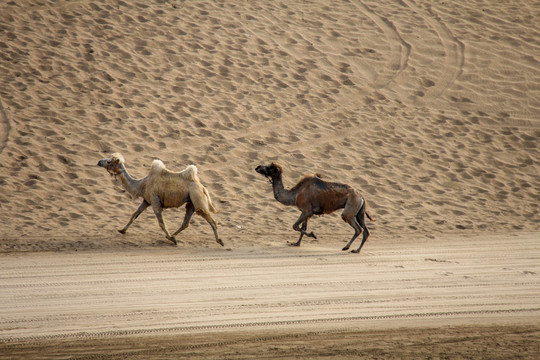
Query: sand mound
{"x": 431, "y": 110}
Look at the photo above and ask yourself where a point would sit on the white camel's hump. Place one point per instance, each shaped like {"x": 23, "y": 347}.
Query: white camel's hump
{"x": 157, "y": 166}
{"x": 189, "y": 173}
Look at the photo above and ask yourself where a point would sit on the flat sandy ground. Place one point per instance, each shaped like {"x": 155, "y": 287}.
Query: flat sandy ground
{"x": 453, "y": 299}
{"x": 430, "y": 109}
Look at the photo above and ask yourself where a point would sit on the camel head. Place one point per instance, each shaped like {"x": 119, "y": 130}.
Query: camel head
{"x": 271, "y": 171}
{"x": 113, "y": 164}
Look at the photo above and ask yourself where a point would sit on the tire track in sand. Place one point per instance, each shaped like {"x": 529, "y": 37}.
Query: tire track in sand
{"x": 454, "y": 51}
{"x": 266, "y": 324}
{"x": 5, "y": 128}
{"x": 396, "y": 63}
{"x": 400, "y": 50}
{"x": 117, "y": 294}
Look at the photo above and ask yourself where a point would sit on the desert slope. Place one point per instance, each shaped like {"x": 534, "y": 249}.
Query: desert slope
{"x": 430, "y": 109}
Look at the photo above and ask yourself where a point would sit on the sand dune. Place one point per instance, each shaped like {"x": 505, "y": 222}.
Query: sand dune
{"x": 431, "y": 110}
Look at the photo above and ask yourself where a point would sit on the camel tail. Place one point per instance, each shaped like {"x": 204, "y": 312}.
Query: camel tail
{"x": 210, "y": 203}
{"x": 365, "y": 210}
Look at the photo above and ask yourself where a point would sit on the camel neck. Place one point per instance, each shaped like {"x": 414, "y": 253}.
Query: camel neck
{"x": 284, "y": 196}
{"x": 131, "y": 185}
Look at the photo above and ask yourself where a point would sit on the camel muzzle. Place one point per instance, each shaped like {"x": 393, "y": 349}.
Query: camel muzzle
{"x": 262, "y": 170}
{"x": 103, "y": 163}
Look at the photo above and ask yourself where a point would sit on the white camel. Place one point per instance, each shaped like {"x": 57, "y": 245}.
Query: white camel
{"x": 164, "y": 189}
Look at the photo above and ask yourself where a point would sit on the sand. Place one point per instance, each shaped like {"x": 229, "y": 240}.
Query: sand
{"x": 454, "y": 299}
{"x": 430, "y": 109}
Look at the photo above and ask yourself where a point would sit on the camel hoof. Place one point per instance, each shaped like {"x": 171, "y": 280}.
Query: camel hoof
{"x": 313, "y": 235}
{"x": 293, "y": 244}
{"x": 355, "y": 251}
{"x": 122, "y": 231}
{"x": 220, "y": 242}
{"x": 173, "y": 239}
{"x": 345, "y": 248}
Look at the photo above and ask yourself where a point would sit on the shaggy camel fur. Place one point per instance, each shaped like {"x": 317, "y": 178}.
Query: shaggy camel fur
{"x": 164, "y": 189}
{"x": 314, "y": 196}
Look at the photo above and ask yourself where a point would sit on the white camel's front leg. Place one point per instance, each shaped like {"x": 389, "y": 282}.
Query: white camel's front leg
{"x": 135, "y": 215}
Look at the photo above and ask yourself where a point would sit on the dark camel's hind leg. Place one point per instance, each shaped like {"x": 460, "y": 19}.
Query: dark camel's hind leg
{"x": 353, "y": 206}
{"x": 357, "y": 230}
{"x": 362, "y": 221}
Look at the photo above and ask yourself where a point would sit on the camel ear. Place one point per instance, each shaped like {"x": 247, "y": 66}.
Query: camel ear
{"x": 275, "y": 167}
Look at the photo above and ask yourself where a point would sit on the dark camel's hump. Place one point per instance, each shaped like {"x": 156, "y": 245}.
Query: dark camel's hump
{"x": 327, "y": 185}
{"x": 323, "y": 185}
{"x": 307, "y": 180}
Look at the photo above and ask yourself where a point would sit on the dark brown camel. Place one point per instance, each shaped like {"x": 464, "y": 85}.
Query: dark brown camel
{"x": 315, "y": 196}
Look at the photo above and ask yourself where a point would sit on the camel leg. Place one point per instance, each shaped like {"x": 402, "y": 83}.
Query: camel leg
{"x": 156, "y": 206}
{"x": 135, "y": 215}
{"x": 304, "y": 227}
{"x": 357, "y": 230}
{"x": 302, "y": 220}
{"x": 190, "y": 209}
{"x": 213, "y": 224}
{"x": 362, "y": 220}
{"x": 353, "y": 206}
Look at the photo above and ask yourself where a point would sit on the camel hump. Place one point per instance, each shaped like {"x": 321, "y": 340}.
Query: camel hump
{"x": 190, "y": 172}
{"x": 157, "y": 166}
